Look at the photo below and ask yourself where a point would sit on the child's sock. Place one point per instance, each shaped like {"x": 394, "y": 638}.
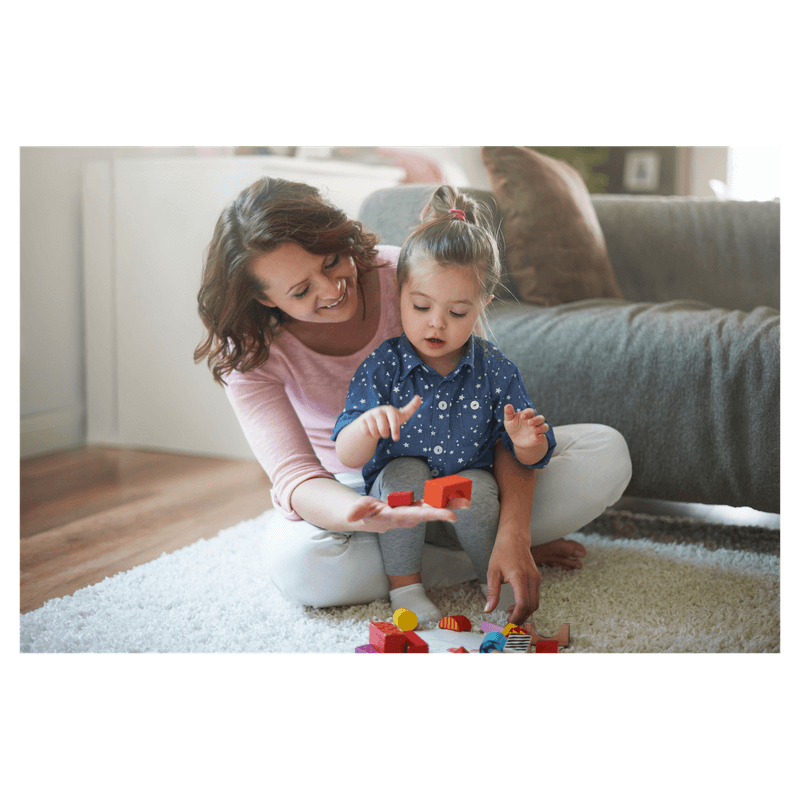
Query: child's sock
{"x": 413, "y": 598}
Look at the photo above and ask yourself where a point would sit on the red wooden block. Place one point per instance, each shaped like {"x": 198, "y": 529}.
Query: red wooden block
{"x": 547, "y": 646}
{"x": 400, "y": 499}
{"x": 455, "y": 623}
{"x": 386, "y": 637}
{"x": 439, "y": 490}
{"x": 457, "y": 650}
{"x": 416, "y": 644}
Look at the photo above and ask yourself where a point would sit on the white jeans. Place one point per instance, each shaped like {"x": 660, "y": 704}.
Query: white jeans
{"x": 588, "y": 471}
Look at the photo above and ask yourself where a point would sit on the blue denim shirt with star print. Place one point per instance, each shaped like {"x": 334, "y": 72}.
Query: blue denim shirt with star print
{"x": 461, "y": 416}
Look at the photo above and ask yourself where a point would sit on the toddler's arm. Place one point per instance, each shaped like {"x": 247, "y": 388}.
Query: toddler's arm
{"x": 356, "y": 443}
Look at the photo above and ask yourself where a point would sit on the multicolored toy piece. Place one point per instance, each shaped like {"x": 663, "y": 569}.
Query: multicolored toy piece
{"x": 493, "y": 641}
{"x": 458, "y": 622}
{"x": 523, "y": 638}
{"x": 517, "y": 643}
{"x": 366, "y": 648}
{"x": 439, "y": 491}
{"x": 457, "y": 650}
{"x": 396, "y": 499}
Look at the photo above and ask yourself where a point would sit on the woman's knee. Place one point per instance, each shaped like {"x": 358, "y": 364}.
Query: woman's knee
{"x": 319, "y": 568}
{"x": 617, "y": 467}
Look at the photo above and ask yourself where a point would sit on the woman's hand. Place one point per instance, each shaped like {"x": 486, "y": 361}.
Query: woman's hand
{"x": 376, "y": 515}
{"x": 512, "y": 562}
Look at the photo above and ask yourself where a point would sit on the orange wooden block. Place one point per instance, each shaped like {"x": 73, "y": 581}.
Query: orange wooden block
{"x": 438, "y": 491}
{"x": 455, "y": 623}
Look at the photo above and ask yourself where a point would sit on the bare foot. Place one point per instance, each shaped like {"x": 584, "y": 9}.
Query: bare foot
{"x": 559, "y": 553}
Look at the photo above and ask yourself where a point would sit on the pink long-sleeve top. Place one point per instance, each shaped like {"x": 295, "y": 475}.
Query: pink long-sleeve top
{"x": 287, "y": 407}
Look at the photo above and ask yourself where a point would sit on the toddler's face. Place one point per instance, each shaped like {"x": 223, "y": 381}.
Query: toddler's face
{"x": 439, "y": 308}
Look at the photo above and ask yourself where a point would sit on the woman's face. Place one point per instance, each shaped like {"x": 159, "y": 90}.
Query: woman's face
{"x": 308, "y": 287}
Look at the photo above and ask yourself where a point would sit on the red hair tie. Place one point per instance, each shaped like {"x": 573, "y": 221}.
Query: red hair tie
{"x": 459, "y": 214}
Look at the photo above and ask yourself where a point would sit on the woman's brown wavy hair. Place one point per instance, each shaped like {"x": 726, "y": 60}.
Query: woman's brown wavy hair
{"x": 271, "y": 212}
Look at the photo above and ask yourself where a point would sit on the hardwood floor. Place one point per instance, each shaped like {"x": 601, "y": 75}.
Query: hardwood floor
{"x": 89, "y": 513}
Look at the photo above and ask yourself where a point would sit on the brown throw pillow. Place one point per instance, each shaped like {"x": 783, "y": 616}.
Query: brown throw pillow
{"x": 555, "y": 248}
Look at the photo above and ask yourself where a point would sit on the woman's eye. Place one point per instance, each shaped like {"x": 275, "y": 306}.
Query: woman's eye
{"x": 333, "y": 264}
{"x": 421, "y": 308}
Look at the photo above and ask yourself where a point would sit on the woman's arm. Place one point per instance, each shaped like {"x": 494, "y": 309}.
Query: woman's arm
{"x": 333, "y": 506}
{"x": 511, "y": 560}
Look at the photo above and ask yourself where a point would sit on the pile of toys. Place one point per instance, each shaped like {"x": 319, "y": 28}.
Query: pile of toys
{"x": 398, "y": 636}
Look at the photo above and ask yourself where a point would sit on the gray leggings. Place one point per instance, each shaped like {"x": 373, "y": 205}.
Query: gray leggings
{"x": 474, "y": 530}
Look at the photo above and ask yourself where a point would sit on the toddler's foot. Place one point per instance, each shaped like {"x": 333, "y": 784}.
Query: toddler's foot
{"x": 413, "y": 598}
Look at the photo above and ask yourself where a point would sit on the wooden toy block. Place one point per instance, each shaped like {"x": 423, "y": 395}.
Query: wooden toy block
{"x": 457, "y": 650}
{"x": 492, "y": 641}
{"x": 366, "y": 648}
{"x": 488, "y": 627}
{"x": 386, "y": 637}
{"x": 512, "y": 628}
{"x": 438, "y": 491}
{"x": 400, "y": 499}
{"x": 562, "y": 637}
{"x": 405, "y": 619}
{"x": 457, "y": 622}
{"x": 415, "y": 643}
{"x": 547, "y": 646}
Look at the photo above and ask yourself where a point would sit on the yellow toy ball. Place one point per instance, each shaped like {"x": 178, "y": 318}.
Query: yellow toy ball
{"x": 405, "y": 619}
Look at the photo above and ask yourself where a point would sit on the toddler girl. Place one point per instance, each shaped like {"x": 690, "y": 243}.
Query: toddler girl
{"x": 438, "y": 399}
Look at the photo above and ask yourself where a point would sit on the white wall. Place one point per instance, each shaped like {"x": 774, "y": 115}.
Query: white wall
{"x": 52, "y": 394}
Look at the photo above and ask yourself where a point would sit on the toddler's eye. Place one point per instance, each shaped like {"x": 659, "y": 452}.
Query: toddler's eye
{"x": 458, "y": 315}
{"x": 302, "y": 294}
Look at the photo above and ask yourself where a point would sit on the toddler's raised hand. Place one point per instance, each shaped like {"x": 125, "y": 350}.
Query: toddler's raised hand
{"x": 526, "y": 428}
{"x": 386, "y": 421}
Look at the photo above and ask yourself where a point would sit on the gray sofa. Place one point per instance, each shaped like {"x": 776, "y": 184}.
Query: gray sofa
{"x": 687, "y": 367}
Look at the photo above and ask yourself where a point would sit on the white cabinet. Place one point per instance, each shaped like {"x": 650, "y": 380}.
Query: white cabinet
{"x": 146, "y": 226}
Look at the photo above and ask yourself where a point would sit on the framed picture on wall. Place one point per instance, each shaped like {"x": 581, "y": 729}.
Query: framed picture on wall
{"x": 626, "y": 170}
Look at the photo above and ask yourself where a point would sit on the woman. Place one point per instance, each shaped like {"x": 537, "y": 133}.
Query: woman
{"x": 294, "y": 297}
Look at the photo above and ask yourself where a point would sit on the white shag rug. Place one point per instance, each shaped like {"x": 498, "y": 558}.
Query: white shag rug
{"x": 632, "y": 596}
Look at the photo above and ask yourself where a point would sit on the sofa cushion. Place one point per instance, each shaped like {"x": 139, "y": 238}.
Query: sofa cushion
{"x": 554, "y": 244}
{"x": 694, "y": 389}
